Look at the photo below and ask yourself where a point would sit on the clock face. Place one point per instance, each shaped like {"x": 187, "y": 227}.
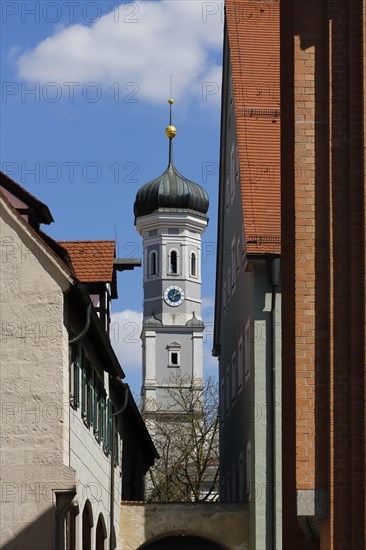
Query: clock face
{"x": 174, "y": 295}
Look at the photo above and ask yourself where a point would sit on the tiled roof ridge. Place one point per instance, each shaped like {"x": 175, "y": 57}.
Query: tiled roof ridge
{"x": 88, "y": 241}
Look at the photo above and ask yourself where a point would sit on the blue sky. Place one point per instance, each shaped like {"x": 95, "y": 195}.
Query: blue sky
{"x": 84, "y": 110}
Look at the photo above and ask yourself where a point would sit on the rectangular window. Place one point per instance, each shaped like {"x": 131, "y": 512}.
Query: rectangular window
{"x": 173, "y": 231}
{"x": 240, "y": 363}
{"x": 249, "y": 472}
{"x": 233, "y": 377}
{"x": 248, "y": 349}
{"x": 174, "y": 358}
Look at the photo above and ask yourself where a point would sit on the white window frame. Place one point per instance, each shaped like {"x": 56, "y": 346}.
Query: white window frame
{"x": 170, "y": 272}
{"x": 194, "y": 275}
{"x": 174, "y": 348}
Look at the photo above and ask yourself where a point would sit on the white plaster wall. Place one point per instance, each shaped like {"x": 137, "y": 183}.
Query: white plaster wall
{"x": 93, "y": 474}
{"x": 34, "y": 396}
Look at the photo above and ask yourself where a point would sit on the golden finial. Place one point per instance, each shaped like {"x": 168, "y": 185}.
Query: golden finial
{"x": 170, "y": 132}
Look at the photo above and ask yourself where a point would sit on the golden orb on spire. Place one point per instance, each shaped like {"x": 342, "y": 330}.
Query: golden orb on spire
{"x": 170, "y": 101}
{"x": 170, "y": 132}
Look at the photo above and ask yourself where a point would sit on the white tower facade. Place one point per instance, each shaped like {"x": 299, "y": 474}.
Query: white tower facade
{"x": 170, "y": 216}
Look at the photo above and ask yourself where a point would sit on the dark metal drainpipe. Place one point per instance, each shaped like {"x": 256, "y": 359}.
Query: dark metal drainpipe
{"x": 274, "y": 267}
{"x": 111, "y": 515}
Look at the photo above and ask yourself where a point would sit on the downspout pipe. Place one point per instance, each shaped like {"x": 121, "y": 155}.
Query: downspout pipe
{"x": 120, "y": 411}
{"x": 274, "y": 279}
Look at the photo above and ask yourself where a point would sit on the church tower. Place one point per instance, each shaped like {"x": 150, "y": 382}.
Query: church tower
{"x": 170, "y": 215}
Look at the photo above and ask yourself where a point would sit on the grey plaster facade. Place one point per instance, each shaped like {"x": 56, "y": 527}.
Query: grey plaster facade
{"x": 247, "y": 341}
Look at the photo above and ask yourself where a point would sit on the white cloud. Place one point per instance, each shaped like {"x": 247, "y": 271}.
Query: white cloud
{"x": 167, "y": 38}
{"x": 207, "y": 303}
{"x": 125, "y": 337}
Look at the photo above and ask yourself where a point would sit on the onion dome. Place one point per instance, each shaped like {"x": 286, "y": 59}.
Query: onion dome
{"x": 194, "y": 322}
{"x": 171, "y": 191}
{"x": 152, "y": 321}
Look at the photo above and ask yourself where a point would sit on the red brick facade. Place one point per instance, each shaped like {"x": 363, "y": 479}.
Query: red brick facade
{"x": 323, "y": 267}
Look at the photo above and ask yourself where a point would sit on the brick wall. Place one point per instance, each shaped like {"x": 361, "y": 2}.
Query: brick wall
{"x": 323, "y": 268}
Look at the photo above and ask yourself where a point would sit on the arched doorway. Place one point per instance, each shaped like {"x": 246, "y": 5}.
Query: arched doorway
{"x": 87, "y": 525}
{"x": 101, "y": 533}
{"x": 183, "y": 542}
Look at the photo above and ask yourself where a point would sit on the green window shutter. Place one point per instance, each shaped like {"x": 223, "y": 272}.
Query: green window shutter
{"x": 90, "y": 411}
{"x": 96, "y": 406}
{"x": 76, "y": 382}
{"x": 116, "y": 449}
{"x": 102, "y": 419}
{"x": 109, "y": 427}
{"x": 83, "y": 391}
{"x": 91, "y": 399}
{"x": 71, "y": 374}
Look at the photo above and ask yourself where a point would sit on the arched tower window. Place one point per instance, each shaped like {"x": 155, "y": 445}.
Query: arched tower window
{"x": 193, "y": 265}
{"x": 153, "y": 268}
{"x": 173, "y": 268}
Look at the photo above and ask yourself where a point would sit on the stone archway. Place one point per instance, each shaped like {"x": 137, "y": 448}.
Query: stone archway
{"x": 183, "y": 542}
{"x": 217, "y": 526}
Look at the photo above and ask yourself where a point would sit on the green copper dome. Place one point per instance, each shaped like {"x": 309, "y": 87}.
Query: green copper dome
{"x": 170, "y": 191}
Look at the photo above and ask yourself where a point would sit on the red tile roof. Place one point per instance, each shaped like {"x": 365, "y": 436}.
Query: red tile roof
{"x": 92, "y": 260}
{"x": 254, "y": 42}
